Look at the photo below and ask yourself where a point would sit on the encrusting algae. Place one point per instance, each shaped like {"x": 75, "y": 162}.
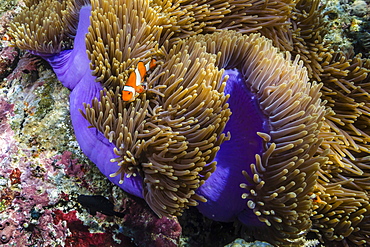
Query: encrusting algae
{"x": 312, "y": 170}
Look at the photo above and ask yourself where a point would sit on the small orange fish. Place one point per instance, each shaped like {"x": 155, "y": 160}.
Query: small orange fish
{"x": 315, "y": 198}
{"x": 6, "y": 37}
{"x": 135, "y": 82}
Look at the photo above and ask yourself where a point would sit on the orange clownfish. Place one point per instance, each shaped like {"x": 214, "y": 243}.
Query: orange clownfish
{"x": 135, "y": 82}
{"x": 6, "y": 37}
{"x": 315, "y": 198}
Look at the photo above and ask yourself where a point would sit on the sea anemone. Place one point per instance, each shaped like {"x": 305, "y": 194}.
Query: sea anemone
{"x": 46, "y": 32}
{"x": 169, "y": 135}
{"x": 293, "y": 142}
{"x": 139, "y": 120}
{"x": 277, "y": 152}
{"x": 341, "y": 212}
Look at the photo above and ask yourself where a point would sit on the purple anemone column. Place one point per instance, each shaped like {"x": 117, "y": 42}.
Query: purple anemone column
{"x": 222, "y": 189}
{"x": 72, "y": 68}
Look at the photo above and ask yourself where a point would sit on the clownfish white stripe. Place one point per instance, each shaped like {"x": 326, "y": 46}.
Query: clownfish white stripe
{"x": 130, "y": 89}
{"x": 138, "y": 77}
{"x": 148, "y": 66}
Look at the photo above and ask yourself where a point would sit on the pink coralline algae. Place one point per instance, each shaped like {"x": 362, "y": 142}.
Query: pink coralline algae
{"x": 23, "y": 196}
{"x": 80, "y": 235}
{"x": 36, "y": 210}
{"x": 70, "y": 165}
{"x": 146, "y": 228}
{"x": 6, "y": 229}
{"x": 25, "y": 65}
{"x": 6, "y": 132}
{"x": 8, "y": 59}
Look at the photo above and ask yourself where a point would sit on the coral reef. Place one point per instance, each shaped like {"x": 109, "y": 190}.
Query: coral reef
{"x": 349, "y": 25}
{"x": 301, "y": 165}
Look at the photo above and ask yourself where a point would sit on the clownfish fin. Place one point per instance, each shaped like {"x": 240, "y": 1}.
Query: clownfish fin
{"x": 128, "y": 93}
{"x": 151, "y": 64}
{"x": 140, "y": 89}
